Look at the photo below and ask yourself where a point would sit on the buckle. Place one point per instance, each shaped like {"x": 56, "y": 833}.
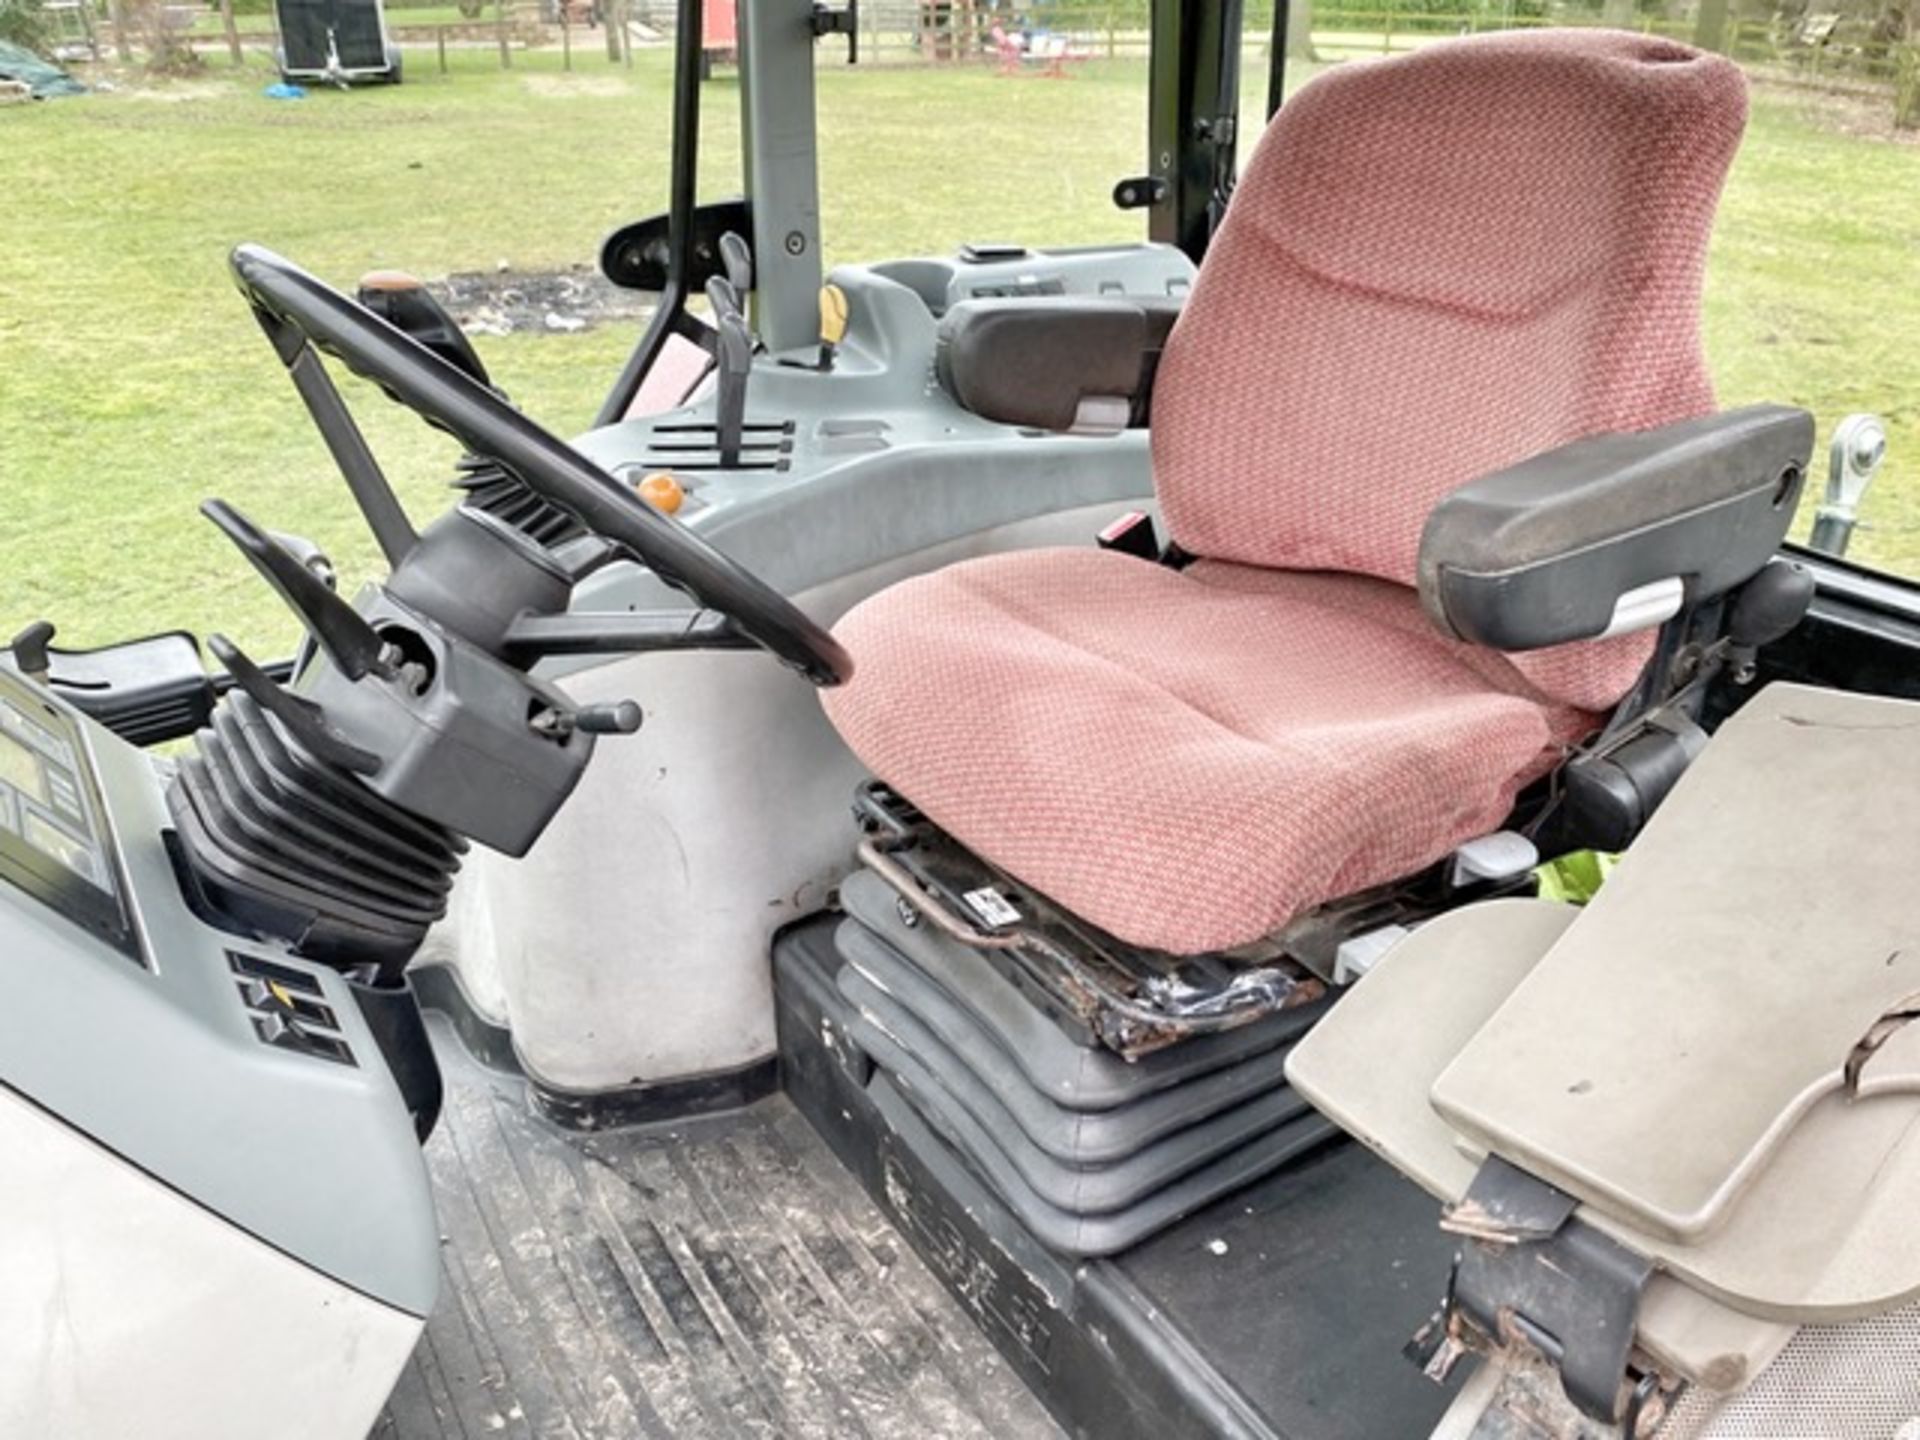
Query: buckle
{"x": 1131, "y": 534}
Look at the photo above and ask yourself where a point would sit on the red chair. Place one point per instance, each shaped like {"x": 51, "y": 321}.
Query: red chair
{"x": 1016, "y": 55}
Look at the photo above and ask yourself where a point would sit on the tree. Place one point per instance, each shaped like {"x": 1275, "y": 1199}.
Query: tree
{"x": 122, "y": 31}
{"x": 1300, "y": 30}
{"x": 23, "y": 23}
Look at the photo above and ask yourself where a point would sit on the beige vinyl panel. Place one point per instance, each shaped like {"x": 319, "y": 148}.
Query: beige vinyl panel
{"x": 1664, "y": 1050}
{"x": 1370, "y": 1063}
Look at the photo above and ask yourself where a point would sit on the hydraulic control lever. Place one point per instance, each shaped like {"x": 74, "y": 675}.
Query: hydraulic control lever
{"x": 735, "y": 359}
{"x": 733, "y": 348}
{"x": 737, "y": 257}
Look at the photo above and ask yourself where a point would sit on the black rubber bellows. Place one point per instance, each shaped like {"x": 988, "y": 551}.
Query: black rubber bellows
{"x": 1094, "y": 1153}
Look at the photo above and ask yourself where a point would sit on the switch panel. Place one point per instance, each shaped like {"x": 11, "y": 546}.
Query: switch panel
{"x": 287, "y": 1010}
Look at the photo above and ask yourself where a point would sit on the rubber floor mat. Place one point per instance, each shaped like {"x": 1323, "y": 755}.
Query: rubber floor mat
{"x": 721, "y": 1277}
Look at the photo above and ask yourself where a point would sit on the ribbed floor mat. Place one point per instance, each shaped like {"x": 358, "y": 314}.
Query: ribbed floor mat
{"x": 724, "y": 1277}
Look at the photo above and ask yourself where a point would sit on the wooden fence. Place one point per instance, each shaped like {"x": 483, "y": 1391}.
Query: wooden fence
{"x": 957, "y": 32}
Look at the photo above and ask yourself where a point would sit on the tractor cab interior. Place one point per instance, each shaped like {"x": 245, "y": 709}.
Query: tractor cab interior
{"x": 1215, "y": 639}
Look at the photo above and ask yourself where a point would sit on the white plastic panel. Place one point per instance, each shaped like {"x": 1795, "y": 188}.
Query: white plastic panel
{"x": 127, "y": 1310}
{"x": 631, "y": 946}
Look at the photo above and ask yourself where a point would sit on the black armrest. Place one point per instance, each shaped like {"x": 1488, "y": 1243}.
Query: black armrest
{"x": 1613, "y": 533}
{"x": 1055, "y": 363}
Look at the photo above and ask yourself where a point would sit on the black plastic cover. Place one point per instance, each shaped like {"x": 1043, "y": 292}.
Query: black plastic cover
{"x": 145, "y": 691}
{"x": 1539, "y": 553}
{"x": 1222, "y": 1325}
{"x": 1607, "y": 799}
{"x": 1032, "y": 361}
{"x": 634, "y": 257}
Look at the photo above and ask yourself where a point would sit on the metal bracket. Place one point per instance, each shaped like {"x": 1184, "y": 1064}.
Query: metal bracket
{"x": 1099, "y": 989}
{"x": 1137, "y": 192}
{"x": 1531, "y": 1273}
{"x": 839, "y": 20}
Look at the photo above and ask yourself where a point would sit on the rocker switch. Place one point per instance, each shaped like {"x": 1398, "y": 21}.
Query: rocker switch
{"x": 285, "y": 1031}
{"x": 266, "y": 996}
{"x": 281, "y": 1030}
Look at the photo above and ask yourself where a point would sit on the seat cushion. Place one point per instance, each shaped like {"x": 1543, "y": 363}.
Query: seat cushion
{"x": 1188, "y": 759}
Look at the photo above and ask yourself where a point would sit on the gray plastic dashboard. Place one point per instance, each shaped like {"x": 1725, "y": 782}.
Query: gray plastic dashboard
{"x": 870, "y": 461}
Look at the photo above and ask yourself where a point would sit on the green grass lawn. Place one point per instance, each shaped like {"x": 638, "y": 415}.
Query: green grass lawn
{"x": 133, "y": 382}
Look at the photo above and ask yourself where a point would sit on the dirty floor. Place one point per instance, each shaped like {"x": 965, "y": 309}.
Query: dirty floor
{"x": 720, "y": 1278}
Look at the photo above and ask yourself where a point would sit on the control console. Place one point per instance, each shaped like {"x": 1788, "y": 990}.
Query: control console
{"x": 242, "y": 1077}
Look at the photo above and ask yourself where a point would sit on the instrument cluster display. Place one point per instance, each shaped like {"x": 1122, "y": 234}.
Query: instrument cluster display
{"x": 54, "y": 842}
{"x": 20, "y": 769}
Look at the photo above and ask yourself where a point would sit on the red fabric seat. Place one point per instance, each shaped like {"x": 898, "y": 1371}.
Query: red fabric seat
{"x": 1434, "y": 266}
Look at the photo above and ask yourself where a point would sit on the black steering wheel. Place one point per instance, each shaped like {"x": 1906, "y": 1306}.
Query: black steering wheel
{"x": 450, "y": 400}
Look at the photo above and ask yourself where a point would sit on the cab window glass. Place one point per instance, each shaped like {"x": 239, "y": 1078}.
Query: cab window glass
{"x": 968, "y": 120}
{"x": 1813, "y": 281}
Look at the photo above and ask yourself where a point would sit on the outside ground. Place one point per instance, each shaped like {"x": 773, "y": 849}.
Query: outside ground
{"x": 133, "y": 383}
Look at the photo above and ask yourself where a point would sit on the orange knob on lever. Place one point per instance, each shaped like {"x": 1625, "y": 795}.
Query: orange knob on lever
{"x": 662, "y": 491}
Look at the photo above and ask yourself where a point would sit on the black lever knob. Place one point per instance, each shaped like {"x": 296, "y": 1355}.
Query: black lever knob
{"x": 620, "y": 717}
{"x": 29, "y": 650}
{"x": 1770, "y": 604}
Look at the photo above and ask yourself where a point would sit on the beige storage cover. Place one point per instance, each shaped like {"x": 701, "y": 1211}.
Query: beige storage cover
{"x": 1750, "y": 944}
{"x": 1715, "y": 1035}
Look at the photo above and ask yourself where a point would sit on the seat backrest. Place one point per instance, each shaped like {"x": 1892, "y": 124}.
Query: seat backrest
{"x": 1435, "y": 266}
